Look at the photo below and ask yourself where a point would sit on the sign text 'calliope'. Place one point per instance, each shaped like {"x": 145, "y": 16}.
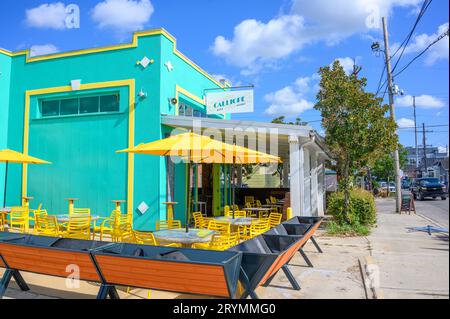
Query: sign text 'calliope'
{"x": 240, "y": 101}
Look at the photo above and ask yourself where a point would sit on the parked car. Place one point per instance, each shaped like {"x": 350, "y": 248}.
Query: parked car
{"x": 428, "y": 187}
{"x": 391, "y": 187}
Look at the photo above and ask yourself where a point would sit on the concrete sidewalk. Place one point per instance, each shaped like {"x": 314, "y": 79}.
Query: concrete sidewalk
{"x": 411, "y": 264}
{"x": 402, "y": 264}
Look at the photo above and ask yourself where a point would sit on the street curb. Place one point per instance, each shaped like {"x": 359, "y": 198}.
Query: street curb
{"x": 366, "y": 266}
{"x": 430, "y": 220}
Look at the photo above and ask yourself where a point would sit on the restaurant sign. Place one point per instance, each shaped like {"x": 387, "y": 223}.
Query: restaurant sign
{"x": 239, "y": 101}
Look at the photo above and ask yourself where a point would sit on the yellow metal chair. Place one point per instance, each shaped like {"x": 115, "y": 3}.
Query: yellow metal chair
{"x": 19, "y": 219}
{"x": 248, "y": 205}
{"x": 259, "y": 227}
{"x": 78, "y": 227}
{"x": 106, "y": 226}
{"x": 200, "y": 222}
{"x": 2, "y": 221}
{"x": 239, "y": 214}
{"x": 226, "y": 211}
{"x": 268, "y": 202}
{"x": 81, "y": 212}
{"x": 123, "y": 230}
{"x": 168, "y": 224}
{"x": 46, "y": 225}
{"x": 219, "y": 242}
{"x": 249, "y": 199}
{"x": 275, "y": 219}
{"x": 258, "y": 203}
{"x": 223, "y": 228}
{"x": 273, "y": 200}
{"x": 144, "y": 238}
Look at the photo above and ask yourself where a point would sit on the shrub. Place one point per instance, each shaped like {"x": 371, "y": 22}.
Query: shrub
{"x": 361, "y": 212}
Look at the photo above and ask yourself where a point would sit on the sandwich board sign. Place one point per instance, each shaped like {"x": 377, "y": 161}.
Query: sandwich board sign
{"x": 238, "y": 101}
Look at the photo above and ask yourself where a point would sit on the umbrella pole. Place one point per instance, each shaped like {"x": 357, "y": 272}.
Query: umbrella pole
{"x": 188, "y": 197}
{"x": 234, "y": 186}
{"x": 6, "y": 181}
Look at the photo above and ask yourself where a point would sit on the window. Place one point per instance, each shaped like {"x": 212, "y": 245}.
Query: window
{"x": 82, "y": 105}
{"x": 50, "y": 108}
{"x": 89, "y": 105}
{"x": 186, "y": 110}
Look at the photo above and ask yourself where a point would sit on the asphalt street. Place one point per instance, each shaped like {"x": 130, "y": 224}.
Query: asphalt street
{"x": 437, "y": 210}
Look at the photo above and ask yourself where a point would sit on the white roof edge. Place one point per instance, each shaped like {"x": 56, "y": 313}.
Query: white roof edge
{"x": 283, "y": 129}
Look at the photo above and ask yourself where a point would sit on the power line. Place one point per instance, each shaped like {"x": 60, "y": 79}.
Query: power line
{"x": 424, "y": 8}
{"x": 443, "y": 35}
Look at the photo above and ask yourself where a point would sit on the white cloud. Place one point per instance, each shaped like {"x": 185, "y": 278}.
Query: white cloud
{"x": 256, "y": 44}
{"x": 290, "y": 101}
{"x": 423, "y": 101}
{"x": 405, "y": 123}
{"x": 123, "y": 16}
{"x": 47, "y": 15}
{"x": 347, "y": 63}
{"x": 438, "y": 51}
{"x": 43, "y": 49}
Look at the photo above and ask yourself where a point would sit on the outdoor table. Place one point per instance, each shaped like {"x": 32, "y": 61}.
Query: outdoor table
{"x": 65, "y": 218}
{"x": 179, "y": 236}
{"x": 241, "y": 221}
{"x": 71, "y": 204}
{"x": 260, "y": 210}
{"x": 117, "y": 202}
{"x": 170, "y": 205}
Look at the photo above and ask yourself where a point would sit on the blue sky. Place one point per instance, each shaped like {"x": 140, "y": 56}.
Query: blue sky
{"x": 276, "y": 45}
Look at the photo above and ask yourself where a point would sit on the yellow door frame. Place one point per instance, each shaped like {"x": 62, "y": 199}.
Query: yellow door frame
{"x": 130, "y": 83}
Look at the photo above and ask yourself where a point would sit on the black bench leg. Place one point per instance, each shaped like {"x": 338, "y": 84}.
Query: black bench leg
{"x": 103, "y": 292}
{"x": 316, "y": 245}
{"x": 291, "y": 278}
{"x": 267, "y": 283}
{"x": 112, "y": 292}
{"x": 305, "y": 257}
{"x": 6, "y": 279}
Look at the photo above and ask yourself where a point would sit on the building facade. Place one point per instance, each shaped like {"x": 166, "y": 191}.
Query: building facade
{"x": 76, "y": 109}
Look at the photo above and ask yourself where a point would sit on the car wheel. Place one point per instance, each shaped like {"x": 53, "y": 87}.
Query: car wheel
{"x": 421, "y": 197}
{"x": 414, "y": 196}
{"x": 444, "y": 198}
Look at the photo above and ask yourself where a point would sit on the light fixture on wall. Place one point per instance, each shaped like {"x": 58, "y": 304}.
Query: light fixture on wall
{"x": 75, "y": 84}
{"x": 173, "y": 101}
{"x": 142, "y": 94}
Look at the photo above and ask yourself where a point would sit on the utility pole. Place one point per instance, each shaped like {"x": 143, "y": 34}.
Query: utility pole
{"x": 398, "y": 186}
{"x": 415, "y": 132}
{"x": 424, "y": 141}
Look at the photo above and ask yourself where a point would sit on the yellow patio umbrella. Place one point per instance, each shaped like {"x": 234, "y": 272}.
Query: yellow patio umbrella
{"x": 10, "y": 156}
{"x": 196, "y": 148}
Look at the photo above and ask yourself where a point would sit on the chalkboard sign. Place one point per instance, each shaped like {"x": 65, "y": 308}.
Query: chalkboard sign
{"x": 408, "y": 204}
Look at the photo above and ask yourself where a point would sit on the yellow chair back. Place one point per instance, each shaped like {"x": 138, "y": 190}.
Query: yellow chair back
{"x": 239, "y": 214}
{"x": 19, "y": 219}
{"x": 81, "y": 212}
{"x": 273, "y": 200}
{"x": 78, "y": 227}
{"x": 223, "y": 228}
{"x": 46, "y": 225}
{"x": 259, "y": 227}
{"x": 249, "y": 199}
{"x": 168, "y": 224}
{"x": 275, "y": 219}
{"x": 145, "y": 238}
{"x": 199, "y": 220}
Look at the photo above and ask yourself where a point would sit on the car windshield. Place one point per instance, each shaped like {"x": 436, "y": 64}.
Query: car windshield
{"x": 428, "y": 181}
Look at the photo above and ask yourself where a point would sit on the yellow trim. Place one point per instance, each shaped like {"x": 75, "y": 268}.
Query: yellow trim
{"x": 130, "y": 83}
{"x": 188, "y": 94}
{"x": 133, "y": 44}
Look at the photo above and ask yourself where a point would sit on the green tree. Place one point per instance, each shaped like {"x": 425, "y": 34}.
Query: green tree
{"x": 282, "y": 120}
{"x": 355, "y": 122}
{"x": 383, "y": 167}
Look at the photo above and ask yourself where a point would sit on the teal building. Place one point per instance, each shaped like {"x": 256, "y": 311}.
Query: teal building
{"x": 76, "y": 109}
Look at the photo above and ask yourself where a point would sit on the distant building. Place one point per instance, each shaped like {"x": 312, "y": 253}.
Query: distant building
{"x": 434, "y": 164}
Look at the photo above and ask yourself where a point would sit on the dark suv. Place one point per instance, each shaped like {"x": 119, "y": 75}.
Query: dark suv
{"x": 428, "y": 187}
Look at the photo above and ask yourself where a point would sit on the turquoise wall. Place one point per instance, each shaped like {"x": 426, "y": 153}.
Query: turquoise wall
{"x": 82, "y": 148}
{"x": 5, "y": 82}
